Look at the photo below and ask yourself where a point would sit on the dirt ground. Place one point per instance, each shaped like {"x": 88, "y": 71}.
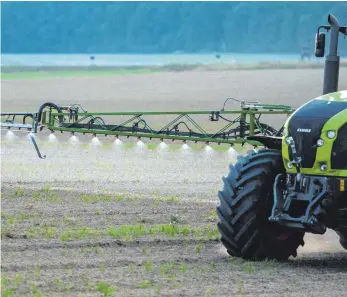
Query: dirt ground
{"x": 97, "y": 222}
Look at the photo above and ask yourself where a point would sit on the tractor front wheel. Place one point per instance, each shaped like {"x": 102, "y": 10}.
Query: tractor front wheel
{"x": 245, "y": 205}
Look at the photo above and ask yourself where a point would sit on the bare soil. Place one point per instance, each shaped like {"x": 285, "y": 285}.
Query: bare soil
{"x": 142, "y": 223}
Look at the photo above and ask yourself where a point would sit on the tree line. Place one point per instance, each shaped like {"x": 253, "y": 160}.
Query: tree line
{"x": 164, "y": 27}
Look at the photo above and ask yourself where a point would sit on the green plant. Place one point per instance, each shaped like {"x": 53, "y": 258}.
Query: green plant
{"x": 145, "y": 284}
{"x": 248, "y": 267}
{"x": 240, "y": 288}
{"x": 35, "y": 291}
{"x": 105, "y": 288}
{"x": 59, "y": 283}
{"x": 168, "y": 270}
{"x": 102, "y": 267}
{"x": 173, "y": 200}
{"x": 119, "y": 198}
{"x": 145, "y": 250}
{"x": 157, "y": 289}
{"x": 8, "y": 292}
{"x": 19, "y": 192}
{"x": 38, "y": 271}
{"x": 209, "y": 292}
{"x": 131, "y": 267}
{"x": 198, "y": 248}
{"x": 183, "y": 268}
{"x": 18, "y": 279}
{"x": 148, "y": 266}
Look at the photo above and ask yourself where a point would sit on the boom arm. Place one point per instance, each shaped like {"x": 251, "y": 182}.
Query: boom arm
{"x": 233, "y": 128}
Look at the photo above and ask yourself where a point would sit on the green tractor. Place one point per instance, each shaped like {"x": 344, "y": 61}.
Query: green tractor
{"x": 298, "y": 182}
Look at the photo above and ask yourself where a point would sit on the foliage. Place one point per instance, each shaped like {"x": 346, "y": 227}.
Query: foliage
{"x": 153, "y": 27}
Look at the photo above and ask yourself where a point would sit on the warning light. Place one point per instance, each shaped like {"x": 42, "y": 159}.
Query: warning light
{"x": 342, "y": 185}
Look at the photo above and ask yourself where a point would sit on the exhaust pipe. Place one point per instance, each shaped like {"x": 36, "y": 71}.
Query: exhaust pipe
{"x": 332, "y": 60}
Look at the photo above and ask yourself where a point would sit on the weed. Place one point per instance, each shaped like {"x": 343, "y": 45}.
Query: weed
{"x": 36, "y": 195}
{"x": 46, "y": 193}
{"x": 157, "y": 289}
{"x": 38, "y": 272}
{"x": 59, "y": 283}
{"x": 5, "y": 291}
{"x": 198, "y": 248}
{"x": 102, "y": 267}
{"x": 155, "y": 193}
{"x": 173, "y": 200}
{"x": 8, "y": 292}
{"x": 19, "y": 192}
{"x": 119, "y": 198}
{"x": 240, "y": 288}
{"x": 156, "y": 203}
{"x": 131, "y": 267}
{"x": 208, "y": 292}
{"x": 145, "y": 250}
{"x": 211, "y": 216}
{"x": 18, "y": 279}
{"x": 47, "y": 188}
{"x": 31, "y": 233}
{"x": 49, "y": 232}
{"x": 53, "y": 197}
{"x": 168, "y": 270}
{"x": 248, "y": 267}
{"x": 106, "y": 289}
{"x": 183, "y": 268}
{"x": 90, "y": 286}
{"x": 148, "y": 266}
{"x": 35, "y": 291}
{"x": 24, "y": 216}
{"x": 80, "y": 233}
{"x": 68, "y": 287}
{"x": 11, "y": 220}
{"x": 145, "y": 284}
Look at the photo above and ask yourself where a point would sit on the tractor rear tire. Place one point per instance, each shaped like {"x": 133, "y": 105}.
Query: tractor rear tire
{"x": 245, "y": 204}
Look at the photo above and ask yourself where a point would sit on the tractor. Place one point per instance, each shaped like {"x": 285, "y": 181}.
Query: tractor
{"x": 272, "y": 196}
{"x": 297, "y": 183}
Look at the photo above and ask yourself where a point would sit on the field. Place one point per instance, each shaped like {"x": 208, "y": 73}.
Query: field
{"x": 95, "y": 222}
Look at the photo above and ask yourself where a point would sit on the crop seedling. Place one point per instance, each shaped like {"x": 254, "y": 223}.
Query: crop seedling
{"x": 105, "y": 289}
{"x": 145, "y": 284}
{"x": 148, "y": 266}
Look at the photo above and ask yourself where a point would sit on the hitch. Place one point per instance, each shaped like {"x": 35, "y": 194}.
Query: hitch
{"x": 297, "y": 202}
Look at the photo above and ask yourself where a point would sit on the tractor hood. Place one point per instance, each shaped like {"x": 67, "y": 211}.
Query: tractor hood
{"x": 312, "y": 121}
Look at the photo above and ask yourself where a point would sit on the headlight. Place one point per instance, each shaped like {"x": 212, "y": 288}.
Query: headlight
{"x": 331, "y": 134}
{"x": 320, "y": 142}
{"x": 324, "y": 167}
{"x": 289, "y": 165}
{"x": 288, "y": 140}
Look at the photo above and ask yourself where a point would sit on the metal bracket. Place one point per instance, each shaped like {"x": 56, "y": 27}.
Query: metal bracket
{"x": 296, "y": 159}
{"x": 313, "y": 192}
{"x": 32, "y": 137}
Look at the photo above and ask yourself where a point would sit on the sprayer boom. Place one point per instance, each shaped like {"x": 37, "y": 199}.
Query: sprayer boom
{"x": 234, "y": 126}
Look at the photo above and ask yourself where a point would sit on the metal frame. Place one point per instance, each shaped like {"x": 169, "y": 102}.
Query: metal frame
{"x": 245, "y": 122}
{"x": 193, "y": 131}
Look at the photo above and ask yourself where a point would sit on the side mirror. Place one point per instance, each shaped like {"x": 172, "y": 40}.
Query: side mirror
{"x": 319, "y": 45}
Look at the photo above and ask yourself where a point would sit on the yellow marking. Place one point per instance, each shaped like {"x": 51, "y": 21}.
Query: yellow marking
{"x": 342, "y": 185}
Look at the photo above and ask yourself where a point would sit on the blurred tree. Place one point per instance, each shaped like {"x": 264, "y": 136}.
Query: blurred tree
{"x": 152, "y": 27}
